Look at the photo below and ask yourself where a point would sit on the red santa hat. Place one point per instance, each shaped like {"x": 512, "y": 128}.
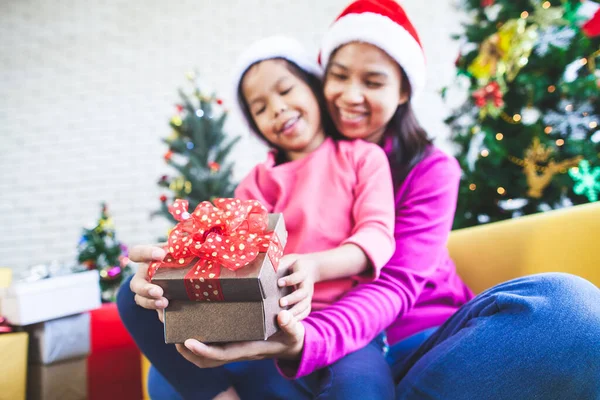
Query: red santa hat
{"x": 382, "y": 23}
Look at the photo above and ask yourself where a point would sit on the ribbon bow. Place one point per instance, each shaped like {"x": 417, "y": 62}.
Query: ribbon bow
{"x": 230, "y": 233}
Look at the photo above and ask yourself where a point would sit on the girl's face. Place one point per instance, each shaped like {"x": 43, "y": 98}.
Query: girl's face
{"x": 283, "y": 107}
{"x": 363, "y": 89}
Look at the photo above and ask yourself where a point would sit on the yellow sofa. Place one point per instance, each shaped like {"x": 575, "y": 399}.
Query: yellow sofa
{"x": 563, "y": 240}
{"x": 556, "y": 241}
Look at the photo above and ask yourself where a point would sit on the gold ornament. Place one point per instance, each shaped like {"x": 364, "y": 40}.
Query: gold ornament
{"x": 176, "y": 120}
{"x": 505, "y": 52}
{"x": 180, "y": 185}
{"x": 545, "y": 16}
{"x": 539, "y": 177}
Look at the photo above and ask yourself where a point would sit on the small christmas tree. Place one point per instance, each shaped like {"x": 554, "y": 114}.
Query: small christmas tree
{"x": 99, "y": 249}
{"x": 527, "y": 133}
{"x": 198, "y": 150}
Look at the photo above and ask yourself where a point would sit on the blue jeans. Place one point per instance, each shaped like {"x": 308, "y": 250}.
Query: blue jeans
{"x": 363, "y": 374}
{"x": 536, "y": 337}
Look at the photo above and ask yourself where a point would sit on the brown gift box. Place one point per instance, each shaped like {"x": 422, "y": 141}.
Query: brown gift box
{"x": 250, "y": 307}
{"x": 65, "y": 380}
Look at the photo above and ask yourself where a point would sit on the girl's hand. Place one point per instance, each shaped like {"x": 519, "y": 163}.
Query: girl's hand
{"x": 304, "y": 274}
{"x": 147, "y": 295}
{"x": 287, "y": 344}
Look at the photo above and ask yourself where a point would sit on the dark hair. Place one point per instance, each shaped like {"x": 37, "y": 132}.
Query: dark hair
{"x": 316, "y": 87}
{"x": 410, "y": 142}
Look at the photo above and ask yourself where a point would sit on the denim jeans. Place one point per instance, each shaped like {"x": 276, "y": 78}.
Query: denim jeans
{"x": 536, "y": 337}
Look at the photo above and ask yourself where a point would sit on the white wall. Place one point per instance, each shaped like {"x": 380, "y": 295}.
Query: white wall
{"x": 87, "y": 89}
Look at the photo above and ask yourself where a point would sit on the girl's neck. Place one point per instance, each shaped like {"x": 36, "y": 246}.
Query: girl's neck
{"x": 311, "y": 147}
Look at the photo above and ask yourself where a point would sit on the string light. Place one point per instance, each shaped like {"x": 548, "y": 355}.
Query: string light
{"x": 546, "y": 5}
{"x": 501, "y": 190}
{"x": 485, "y": 153}
{"x": 551, "y": 89}
{"x": 472, "y": 186}
{"x": 593, "y": 125}
{"x": 524, "y": 14}
{"x": 517, "y": 117}
{"x": 499, "y": 136}
{"x": 569, "y": 107}
{"x": 560, "y": 142}
{"x": 548, "y": 130}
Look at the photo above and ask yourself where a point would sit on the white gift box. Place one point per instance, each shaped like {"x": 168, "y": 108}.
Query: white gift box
{"x": 25, "y": 303}
{"x": 59, "y": 339}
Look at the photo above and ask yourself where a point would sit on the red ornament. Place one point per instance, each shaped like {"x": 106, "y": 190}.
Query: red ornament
{"x": 179, "y": 108}
{"x": 219, "y": 101}
{"x": 489, "y": 93}
{"x": 487, "y": 3}
{"x": 592, "y": 27}
{"x": 164, "y": 178}
{"x": 214, "y": 167}
{"x": 163, "y": 198}
{"x": 168, "y": 155}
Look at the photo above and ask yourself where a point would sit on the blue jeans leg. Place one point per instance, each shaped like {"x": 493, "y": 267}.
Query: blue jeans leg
{"x": 536, "y": 337}
{"x": 364, "y": 374}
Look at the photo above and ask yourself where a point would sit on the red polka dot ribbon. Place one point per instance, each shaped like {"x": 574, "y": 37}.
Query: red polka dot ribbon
{"x": 230, "y": 234}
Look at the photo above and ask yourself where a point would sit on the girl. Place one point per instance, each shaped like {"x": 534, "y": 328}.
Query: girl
{"x": 336, "y": 197}
{"x": 516, "y": 340}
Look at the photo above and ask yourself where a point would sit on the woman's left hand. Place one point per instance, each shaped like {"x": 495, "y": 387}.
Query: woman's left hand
{"x": 286, "y": 344}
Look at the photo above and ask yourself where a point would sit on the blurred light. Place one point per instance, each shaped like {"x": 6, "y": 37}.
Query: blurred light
{"x": 560, "y": 142}
{"x": 501, "y": 190}
{"x": 472, "y": 186}
{"x": 516, "y": 117}
{"x": 499, "y": 136}
{"x": 551, "y": 89}
{"x": 485, "y": 153}
{"x": 548, "y": 130}
{"x": 524, "y": 14}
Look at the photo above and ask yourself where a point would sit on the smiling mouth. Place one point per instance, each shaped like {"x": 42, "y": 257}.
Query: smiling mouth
{"x": 289, "y": 125}
{"x": 351, "y": 116}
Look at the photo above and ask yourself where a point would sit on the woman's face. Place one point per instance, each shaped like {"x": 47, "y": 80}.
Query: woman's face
{"x": 283, "y": 107}
{"x": 363, "y": 89}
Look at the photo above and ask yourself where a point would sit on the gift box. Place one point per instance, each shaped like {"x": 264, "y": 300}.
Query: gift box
{"x": 13, "y": 368}
{"x": 26, "y": 303}
{"x": 59, "y": 339}
{"x": 221, "y": 271}
{"x": 64, "y": 380}
{"x": 113, "y": 365}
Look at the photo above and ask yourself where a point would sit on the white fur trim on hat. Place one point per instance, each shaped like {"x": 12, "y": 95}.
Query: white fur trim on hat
{"x": 384, "y": 33}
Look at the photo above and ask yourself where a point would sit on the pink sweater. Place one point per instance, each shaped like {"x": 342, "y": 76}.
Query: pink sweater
{"x": 340, "y": 193}
{"x": 419, "y": 287}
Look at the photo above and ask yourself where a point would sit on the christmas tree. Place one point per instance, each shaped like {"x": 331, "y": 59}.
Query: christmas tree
{"x": 527, "y": 133}
{"x": 99, "y": 249}
{"x": 198, "y": 150}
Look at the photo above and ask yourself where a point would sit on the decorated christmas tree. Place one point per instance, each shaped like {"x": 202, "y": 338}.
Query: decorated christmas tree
{"x": 527, "y": 133}
{"x": 99, "y": 249}
{"x": 198, "y": 151}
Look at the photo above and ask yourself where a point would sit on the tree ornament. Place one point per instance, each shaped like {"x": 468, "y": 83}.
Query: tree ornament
{"x": 572, "y": 121}
{"x": 168, "y": 155}
{"x": 489, "y": 100}
{"x": 587, "y": 180}
{"x": 530, "y": 115}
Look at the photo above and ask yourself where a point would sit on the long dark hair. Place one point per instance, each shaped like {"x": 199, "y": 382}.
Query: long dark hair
{"x": 316, "y": 86}
{"x": 410, "y": 142}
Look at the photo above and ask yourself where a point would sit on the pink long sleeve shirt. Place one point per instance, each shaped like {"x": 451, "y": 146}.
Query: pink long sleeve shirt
{"x": 418, "y": 288}
{"x": 340, "y": 193}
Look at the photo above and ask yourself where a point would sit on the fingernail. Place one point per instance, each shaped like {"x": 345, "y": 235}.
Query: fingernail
{"x": 158, "y": 254}
{"x": 283, "y": 302}
{"x": 281, "y": 282}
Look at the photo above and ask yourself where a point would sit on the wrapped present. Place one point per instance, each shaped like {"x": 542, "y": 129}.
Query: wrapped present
{"x": 65, "y": 380}
{"x": 113, "y": 366}
{"x": 13, "y": 368}
{"x": 29, "y": 302}
{"x": 220, "y": 272}
{"x": 59, "y": 339}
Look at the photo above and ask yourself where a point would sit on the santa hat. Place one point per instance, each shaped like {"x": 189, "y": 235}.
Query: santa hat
{"x": 269, "y": 48}
{"x": 382, "y": 23}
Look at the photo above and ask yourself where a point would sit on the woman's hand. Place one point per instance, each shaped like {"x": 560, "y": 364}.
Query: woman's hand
{"x": 287, "y": 344}
{"x": 147, "y": 295}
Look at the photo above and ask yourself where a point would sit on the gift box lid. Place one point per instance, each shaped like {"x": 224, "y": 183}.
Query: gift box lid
{"x": 245, "y": 284}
